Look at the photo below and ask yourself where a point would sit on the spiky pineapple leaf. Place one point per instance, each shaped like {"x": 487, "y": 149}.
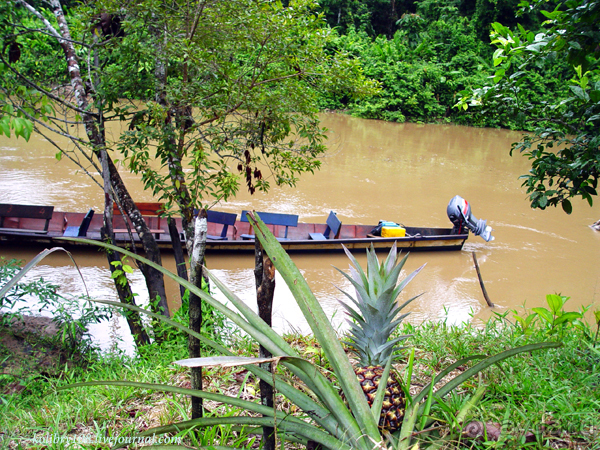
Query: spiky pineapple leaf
{"x": 374, "y": 310}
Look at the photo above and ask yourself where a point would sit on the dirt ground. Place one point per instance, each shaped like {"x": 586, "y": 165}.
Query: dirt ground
{"x": 28, "y": 347}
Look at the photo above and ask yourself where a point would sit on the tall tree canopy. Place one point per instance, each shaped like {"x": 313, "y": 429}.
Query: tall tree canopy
{"x": 565, "y": 147}
{"x": 230, "y": 93}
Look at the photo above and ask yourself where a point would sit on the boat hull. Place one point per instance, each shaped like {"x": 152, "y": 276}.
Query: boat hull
{"x": 353, "y": 237}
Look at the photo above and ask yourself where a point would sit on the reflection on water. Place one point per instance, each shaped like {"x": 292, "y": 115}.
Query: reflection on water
{"x": 374, "y": 170}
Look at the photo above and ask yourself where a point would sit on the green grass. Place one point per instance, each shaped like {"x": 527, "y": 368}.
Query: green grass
{"x": 546, "y": 399}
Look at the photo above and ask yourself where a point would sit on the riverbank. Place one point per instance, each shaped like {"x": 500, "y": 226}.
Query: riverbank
{"x": 544, "y": 399}
{"x": 32, "y": 348}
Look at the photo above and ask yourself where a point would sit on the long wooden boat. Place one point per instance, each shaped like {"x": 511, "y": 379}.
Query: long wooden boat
{"x": 22, "y": 231}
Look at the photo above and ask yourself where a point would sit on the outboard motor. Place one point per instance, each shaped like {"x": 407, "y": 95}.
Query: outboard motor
{"x": 459, "y": 213}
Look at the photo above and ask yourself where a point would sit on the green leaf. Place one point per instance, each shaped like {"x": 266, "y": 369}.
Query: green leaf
{"x": 568, "y": 317}
{"x": 579, "y": 93}
{"x": 31, "y": 264}
{"x": 566, "y": 206}
{"x": 552, "y": 15}
{"x": 544, "y": 314}
{"x": 17, "y": 124}
{"x": 595, "y": 96}
{"x": 555, "y": 303}
{"x": 498, "y": 54}
{"x": 425, "y": 410}
{"x": 498, "y": 75}
{"x": 27, "y": 129}
{"x": 5, "y": 126}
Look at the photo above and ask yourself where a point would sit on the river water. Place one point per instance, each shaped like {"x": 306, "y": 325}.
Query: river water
{"x": 374, "y": 170}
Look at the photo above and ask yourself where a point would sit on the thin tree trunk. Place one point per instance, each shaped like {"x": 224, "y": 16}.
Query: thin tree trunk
{"x": 134, "y": 320}
{"x": 177, "y": 253}
{"x": 195, "y": 306}
{"x": 264, "y": 275}
{"x": 123, "y": 287}
{"x": 94, "y": 131}
{"x": 195, "y": 230}
{"x": 154, "y": 278}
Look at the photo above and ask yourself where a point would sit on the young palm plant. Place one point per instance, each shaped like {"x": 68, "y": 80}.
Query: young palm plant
{"x": 327, "y": 419}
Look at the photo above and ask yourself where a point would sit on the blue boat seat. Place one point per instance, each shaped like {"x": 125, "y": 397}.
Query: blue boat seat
{"x": 223, "y": 218}
{"x": 80, "y": 230}
{"x": 287, "y": 220}
{"x": 334, "y": 226}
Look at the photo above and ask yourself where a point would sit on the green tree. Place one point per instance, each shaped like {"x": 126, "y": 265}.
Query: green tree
{"x": 32, "y": 101}
{"x": 564, "y": 148}
{"x": 228, "y": 92}
{"x": 233, "y": 102}
{"x": 434, "y": 55}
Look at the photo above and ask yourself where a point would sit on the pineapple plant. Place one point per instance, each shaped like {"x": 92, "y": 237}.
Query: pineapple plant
{"x": 375, "y": 313}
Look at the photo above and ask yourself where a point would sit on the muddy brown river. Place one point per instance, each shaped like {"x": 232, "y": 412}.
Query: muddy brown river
{"x": 374, "y": 170}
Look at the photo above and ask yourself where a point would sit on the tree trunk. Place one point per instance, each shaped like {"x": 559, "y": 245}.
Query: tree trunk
{"x": 195, "y": 230}
{"x": 264, "y": 275}
{"x": 95, "y": 133}
{"x": 134, "y": 320}
{"x": 154, "y": 278}
{"x": 124, "y": 291}
{"x": 195, "y": 306}
{"x": 178, "y": 253}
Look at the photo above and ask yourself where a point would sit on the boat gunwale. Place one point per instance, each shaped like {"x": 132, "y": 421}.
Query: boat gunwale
{"x": 420, "y": 238}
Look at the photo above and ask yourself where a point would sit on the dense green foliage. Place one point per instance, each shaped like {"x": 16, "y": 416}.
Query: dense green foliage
{"x": 422, "y": 53}
{"x": 39, "y": 56}
{"x": 434, "y": 51}
{"x": 564, "y": 149}
{"x": 383, "y": 17}
{"x": 420, "y": 71}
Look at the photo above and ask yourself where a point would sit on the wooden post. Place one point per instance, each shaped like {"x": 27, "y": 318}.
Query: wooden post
{"x": 264, "y": 275}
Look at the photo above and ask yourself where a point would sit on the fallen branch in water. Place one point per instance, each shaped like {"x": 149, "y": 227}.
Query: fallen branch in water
{"x": 487, "y": 299}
